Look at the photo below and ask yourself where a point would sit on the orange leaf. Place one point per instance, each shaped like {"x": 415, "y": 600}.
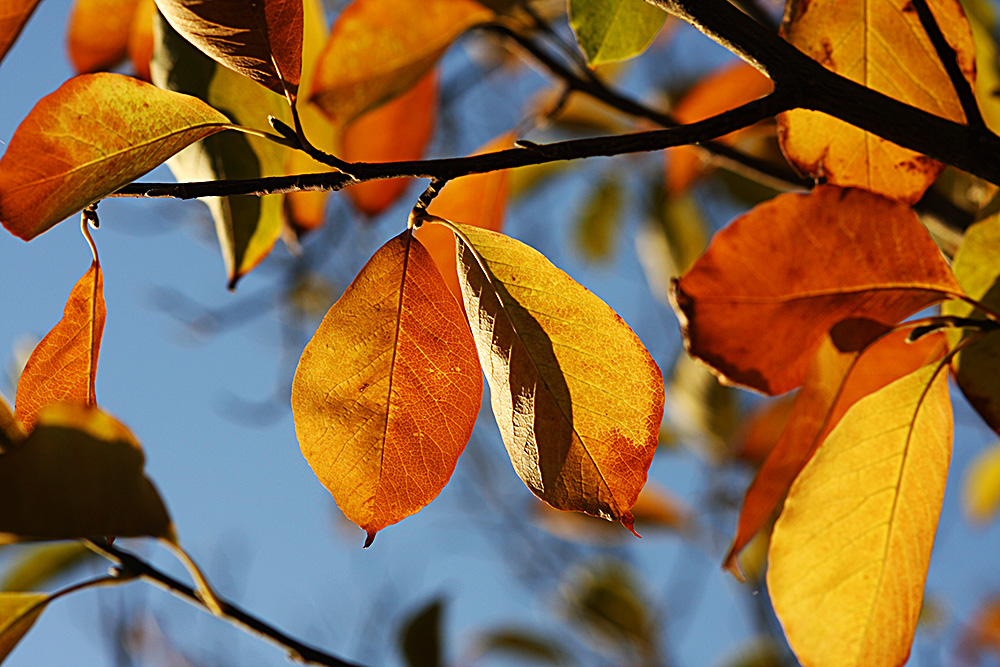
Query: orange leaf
{"x": 850, "y": 551}
{"x": 388, "y": 389}
{"x": 776, "y": 271}
{"x": 140, "y": 40}
{"x": 63, "y": 365}
{"x": 89, "y": 138}
{"x": 79, "y": 474}
{"x": 398, "y": 130}
{"x": 479, "y": 200}
{"x": 726, "y": 89}
{"x": 576, "y": 395}
{"x": 408, "y": 38}
{"x": 99, "y": 32}
{"x": 846, "y": 368}
{"x": 13, "y": 15}
{"x": 261, "y": 39}
{"x": 883, "y": 46}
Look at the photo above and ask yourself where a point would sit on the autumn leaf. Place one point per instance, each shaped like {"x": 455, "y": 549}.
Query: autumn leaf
{"x": 247, "y": 226}
{"x": 883, "y": 46}
{"x": 387, "y": 391}
{"x": 846, "y": 368}
{"x": 37, "y": 565}
{"x": 63, "y": 366}
{"x": 18, "y": 612}
{"x": 975, "y": 366}
{"x": 409, "y": 38}
{"x": 99, "y": 33}
{"x": 479, "y": 200}
{"x": 14, "y": 14}
{"x": 774, "y": 270}
{"x": 79, "y": 474}
{"x": 400, "y": 129}
{"x": 850, "y": 551}
{"x": 261, "y": 39}
{"x": 140, "y": 40}
{"x": 981, "y": 486}
{"x": 613, "y": 30}
{"x": 723, "y": 90}
{"x": 96, "y": 133}
{"x": 576, "y": 396}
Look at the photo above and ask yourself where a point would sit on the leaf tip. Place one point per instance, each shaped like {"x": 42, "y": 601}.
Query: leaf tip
{"x": 629, "y": 522}
{"x": 370, "y": 538}
{"x": 732, "y": 564}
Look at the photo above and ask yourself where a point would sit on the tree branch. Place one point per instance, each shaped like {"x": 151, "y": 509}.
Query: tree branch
{"x": 948, "y": 57}
{"x": 132, "y": 565}
{"x": 449, "y": 168}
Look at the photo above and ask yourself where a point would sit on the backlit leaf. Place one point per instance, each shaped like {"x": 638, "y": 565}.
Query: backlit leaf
{"x": 849, "y": 553}
{"x": 79, "y": 474}
{"x": 63, "y": 366}
{"x": 977, "y": 270}
{"x": 398, "y": 130}
{"x": 883, "y": 46}
{"x": 140, "y": 41}
{"x": 13, "y": 15}
{"x": 18, "y": 612}
{"x": 388, "y": 389}
{"x": 846, "y": 368}
{"x": 247, "y": 226}
{"x": 408, "y": 37}
{"x": 981, "y": 486}
{"x": 99, "y": 33}
{"x": 38, "y": 564}
{"x": 576, "y": 396}
{"x": 480, "y": 199}
{"x": 612, "y": 30}
{"x": 731, "y": 86}
{"x": 774, "y": 270}
{"x": 982, "y": 22}
{"x": 89, "y": 138}
{"x": 261, "y": 39}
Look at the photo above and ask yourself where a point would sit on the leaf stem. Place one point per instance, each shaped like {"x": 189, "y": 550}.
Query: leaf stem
{"x": 135, "y": 566}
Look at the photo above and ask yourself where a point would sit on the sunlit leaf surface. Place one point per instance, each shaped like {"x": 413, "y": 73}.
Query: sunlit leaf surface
{"x": 612, "y": 30}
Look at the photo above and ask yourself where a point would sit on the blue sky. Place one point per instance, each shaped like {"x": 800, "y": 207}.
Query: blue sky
{"x": 210, "y": 408}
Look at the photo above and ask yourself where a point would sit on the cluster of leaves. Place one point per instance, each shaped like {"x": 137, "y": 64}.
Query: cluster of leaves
{"x": 807, "y": 290}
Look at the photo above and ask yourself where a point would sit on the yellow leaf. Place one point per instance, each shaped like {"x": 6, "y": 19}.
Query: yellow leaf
{"x": 976, "y": 268}
{"x": 78, "y": 475}
{"x": 18, "y": 612}
{"x": 850, "y": 551}
{"x": 577, "y": 397}
{"x": 883, "y": 46}
{"x": 38, "y": 564}
{"x": 408, "y": 37}
{"x": 981, "y": 486}
{"x": 63, "y": 366}
{"x": 89, "y": 138}
{"x": 387, "y": 391}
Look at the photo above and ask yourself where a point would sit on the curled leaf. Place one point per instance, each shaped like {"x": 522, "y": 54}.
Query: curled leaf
{"x": 261, "y": 39}
{"x": 96, "y": 133}
{"x": 63, "y": 366}
{"x": 387, "y": 391}
{"x": 576, "y": 395}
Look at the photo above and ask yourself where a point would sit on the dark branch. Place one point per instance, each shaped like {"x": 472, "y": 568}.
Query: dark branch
{"x": 135, "y": 566}
{"x": 949, "y": 59}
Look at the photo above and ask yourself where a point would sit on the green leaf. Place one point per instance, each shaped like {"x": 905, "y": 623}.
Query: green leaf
{"x": 612, "y": 30}
{"x": 247, "y": 226}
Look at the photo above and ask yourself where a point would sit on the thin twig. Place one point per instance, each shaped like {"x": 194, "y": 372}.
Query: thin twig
{"x": 949, "y": 58}
{"x": 133, "y": 565}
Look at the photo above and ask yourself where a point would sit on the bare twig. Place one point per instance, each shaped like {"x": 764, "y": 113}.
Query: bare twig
{"x": 132, "y": 565}
{"x": 949, "y": 59}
